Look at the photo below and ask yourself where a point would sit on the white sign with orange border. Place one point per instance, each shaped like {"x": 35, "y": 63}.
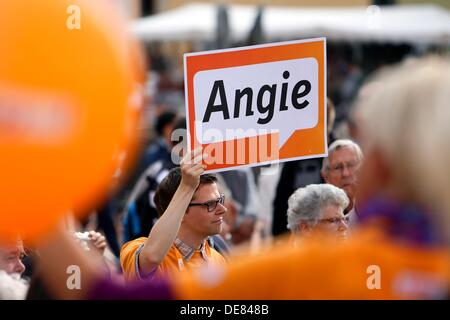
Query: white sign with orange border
{"x": 257, "y": 105}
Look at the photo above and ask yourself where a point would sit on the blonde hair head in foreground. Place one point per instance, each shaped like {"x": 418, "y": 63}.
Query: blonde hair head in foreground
{"x": 404, "y": 113}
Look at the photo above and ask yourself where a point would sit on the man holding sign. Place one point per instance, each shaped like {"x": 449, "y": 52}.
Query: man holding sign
{"x": 191, "y": 209}
{"x": 257, "y": 105}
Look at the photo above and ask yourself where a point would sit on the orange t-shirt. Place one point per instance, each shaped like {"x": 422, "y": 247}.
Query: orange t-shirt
{"x": 369, "y": 266}
{"x": 173, "y": 263}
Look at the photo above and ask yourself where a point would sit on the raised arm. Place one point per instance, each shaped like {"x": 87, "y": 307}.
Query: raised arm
{"x": 165, "y": 230}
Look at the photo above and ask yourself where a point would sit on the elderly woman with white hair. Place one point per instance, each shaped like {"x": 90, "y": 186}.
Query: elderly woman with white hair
{"x": 318, "y": 210}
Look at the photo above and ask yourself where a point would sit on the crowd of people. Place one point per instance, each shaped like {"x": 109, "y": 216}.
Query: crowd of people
{"x": 376, "y": 199}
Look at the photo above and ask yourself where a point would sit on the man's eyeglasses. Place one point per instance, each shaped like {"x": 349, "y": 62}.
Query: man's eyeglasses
{"x": 210, "y": 205}
{"x": 340, "y": 166}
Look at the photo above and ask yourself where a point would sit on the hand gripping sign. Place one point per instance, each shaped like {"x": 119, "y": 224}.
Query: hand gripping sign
{"x": 257, "y": 105}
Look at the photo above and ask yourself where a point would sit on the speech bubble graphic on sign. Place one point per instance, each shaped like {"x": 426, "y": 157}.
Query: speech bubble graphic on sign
{"x": 257, "y": 105}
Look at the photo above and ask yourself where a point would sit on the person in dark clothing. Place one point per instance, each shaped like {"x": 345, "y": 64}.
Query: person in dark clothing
{"x": 294, "y": 175}
{"x": 140, "y": 211}
{"x": 160, "y": 149}
{"x": 298, "y": 174}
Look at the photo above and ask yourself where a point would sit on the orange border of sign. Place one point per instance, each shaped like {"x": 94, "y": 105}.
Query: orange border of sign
{"x": 303, "y": 144}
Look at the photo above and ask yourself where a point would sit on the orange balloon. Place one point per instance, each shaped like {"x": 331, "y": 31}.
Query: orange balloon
{"x": 70, "y": 100}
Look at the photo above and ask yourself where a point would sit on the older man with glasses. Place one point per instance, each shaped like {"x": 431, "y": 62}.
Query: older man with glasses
{"x": 341, "y": 169}
{"x": 318, "y": 210}
{"x": 191, "y": 210}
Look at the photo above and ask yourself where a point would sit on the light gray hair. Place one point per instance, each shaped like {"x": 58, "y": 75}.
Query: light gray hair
{"x": 306, "y": 203}
{"x": 337, "y": 145}
{"x": 12, "y": 287}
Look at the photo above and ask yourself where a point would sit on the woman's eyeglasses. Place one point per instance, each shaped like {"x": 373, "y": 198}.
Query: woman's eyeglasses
{"x": 335, "y": 220}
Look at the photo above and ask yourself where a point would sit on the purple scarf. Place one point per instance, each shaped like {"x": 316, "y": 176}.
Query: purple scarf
{"x": 404, "y": 222}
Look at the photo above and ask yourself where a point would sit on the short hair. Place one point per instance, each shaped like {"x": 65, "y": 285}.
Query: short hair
{"x": 163, "y": 120}
{"x": 337, "y": 145}
{"x": 169, "y": 185}
{"x": 306, "y": 203}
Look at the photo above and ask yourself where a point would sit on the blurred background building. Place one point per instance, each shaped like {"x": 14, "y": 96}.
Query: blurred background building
{"x": 362, "y": 36}
{"x": 138, "y": 8}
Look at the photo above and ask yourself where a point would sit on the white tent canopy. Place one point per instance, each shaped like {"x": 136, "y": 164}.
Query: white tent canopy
{"x": 415, "y": 24}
